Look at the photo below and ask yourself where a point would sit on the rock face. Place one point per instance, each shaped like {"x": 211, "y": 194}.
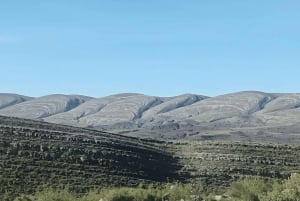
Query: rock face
{"x": 238, "y": 115}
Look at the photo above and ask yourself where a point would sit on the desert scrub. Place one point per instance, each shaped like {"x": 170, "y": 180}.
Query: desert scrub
{"x": 50, "y": 195}
{"x": 250, "y": 189}
{"x": 287, "y": 190}
{"x": 266, "y": 190}
{"x": 170, "y": 192}
{"x": 247, "y": 189}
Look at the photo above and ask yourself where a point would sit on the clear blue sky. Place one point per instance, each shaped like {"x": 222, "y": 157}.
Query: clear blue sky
{"x": 155, "y": 47}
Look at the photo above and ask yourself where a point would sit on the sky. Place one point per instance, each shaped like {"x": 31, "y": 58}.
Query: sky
{"x": 157, "y": 47}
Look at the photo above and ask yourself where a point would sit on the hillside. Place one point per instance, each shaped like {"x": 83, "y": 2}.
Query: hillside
{"x": 244, "y": 116}
{"x": 35, "y": 153}
{"x": 216, "y": 164}
{"x": 11, "y": 99}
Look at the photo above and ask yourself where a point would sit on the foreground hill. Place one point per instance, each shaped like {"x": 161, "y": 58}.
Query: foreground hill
{"x": 244, "y": 115}
{"x": 34, "y": 154}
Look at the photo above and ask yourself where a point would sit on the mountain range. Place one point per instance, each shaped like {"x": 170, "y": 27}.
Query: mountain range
{"x": 247, "y": 115}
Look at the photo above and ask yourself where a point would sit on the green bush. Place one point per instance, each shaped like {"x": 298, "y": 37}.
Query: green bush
{"x": 287, "y": 190}
{"x": 249, "y": 189}
{"x": 49, "y": 195}
{"x": 266, "y": 190}
{"x": 170, "y": 192}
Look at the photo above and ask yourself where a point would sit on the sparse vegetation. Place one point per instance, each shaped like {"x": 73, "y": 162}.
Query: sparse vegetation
{"x": 217, "y": 164}
{"x": 248, "y": 189}
{"x": 33, "y": 154}
{"x": 171, "y": 192}
{"x": 37, "y": 155}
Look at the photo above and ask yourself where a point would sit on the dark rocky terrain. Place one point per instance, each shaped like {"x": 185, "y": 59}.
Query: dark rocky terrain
{"x": 35, "y": 153}
{"x": 243, "y": 116}
{"x": 216, "y": 164}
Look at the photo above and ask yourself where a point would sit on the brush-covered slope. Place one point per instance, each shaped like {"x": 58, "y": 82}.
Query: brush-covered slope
{"x": 35, "y": 153}
{"x": 217, "y": 164}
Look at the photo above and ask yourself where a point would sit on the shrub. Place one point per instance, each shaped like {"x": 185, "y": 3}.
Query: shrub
{"x": 250, "y": 189}
{"x": 170, "y": 192}
{"x": 49, "y": 195}
{"x": 287, "y": 190}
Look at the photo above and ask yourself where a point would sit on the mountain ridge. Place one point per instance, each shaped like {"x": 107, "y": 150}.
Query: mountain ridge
{"x": 188, "y": 116}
